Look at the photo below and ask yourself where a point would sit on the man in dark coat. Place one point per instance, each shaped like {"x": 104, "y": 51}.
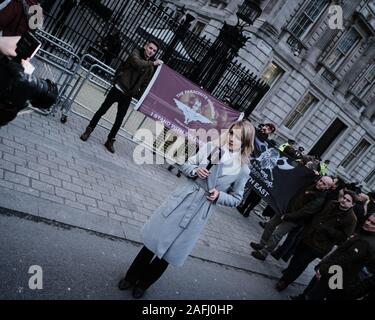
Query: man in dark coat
{"x": 301, "y": 208}
{"x": 287, "y": 249}
{"x": 354, "y": 254}
{"x": 137, "y": 71}
{"x": 332, "y": 226}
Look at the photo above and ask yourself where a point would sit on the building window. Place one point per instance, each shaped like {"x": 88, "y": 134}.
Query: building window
{"x": 310, "y": 14}
{"x": 272, "y": 73}
{"x": 371, "y": 5}
{"x": 347, "y": 42}
{"x": 355, "y": 153}
{"x": 306, "y": 103}
{"x": 199, "y": 27}
{"x": 370, "y": 179}
{"x": 366, "y": 81}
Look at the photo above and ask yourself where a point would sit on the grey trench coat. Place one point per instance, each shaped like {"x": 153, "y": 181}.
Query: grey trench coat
{"x": 173, "y": 229}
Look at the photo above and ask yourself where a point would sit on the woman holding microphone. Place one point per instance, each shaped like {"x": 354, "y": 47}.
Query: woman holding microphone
{"x": 219, "y": 172}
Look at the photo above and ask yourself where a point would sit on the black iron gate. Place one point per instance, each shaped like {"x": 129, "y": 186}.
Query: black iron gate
{"x": 209, "y": 64}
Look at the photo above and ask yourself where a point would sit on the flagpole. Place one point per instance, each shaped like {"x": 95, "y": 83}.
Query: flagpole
{"x": 144, "y": 95}
{"x": 242, "y": 115}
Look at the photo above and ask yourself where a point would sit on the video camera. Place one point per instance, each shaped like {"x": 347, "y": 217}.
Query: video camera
{"x": 18, "y": 88}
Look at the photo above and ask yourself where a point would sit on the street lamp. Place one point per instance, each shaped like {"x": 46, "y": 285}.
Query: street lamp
{"x": 226, "y": 46}
{"x": 249, "y": 11}
{"x": 179, "y": 35}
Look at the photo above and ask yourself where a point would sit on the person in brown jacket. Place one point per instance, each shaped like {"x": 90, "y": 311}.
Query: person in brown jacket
{"x": 332, "y": 226}
{"x": 136, "y": 73}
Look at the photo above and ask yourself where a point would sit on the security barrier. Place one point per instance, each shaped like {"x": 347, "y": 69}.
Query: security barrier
{"x": 57, "y": 61}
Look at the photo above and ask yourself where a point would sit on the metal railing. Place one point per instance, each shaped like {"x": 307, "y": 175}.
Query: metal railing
{"x": 59, "y": 64}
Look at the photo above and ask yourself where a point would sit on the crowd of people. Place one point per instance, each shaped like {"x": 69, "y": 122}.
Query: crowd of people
{"x": 321, "y": 220}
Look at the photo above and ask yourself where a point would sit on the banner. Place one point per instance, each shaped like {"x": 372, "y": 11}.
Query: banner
{"x": 181, "y": 105}
{"x": 276, "y": 177}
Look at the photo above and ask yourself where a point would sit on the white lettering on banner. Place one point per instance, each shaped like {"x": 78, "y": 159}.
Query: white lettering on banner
{"x": 198, "y": 93}
{"x": 261, "y": 175}
{"x": 261, "y": 190}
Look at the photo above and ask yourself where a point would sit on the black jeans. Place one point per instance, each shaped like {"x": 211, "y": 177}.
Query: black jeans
{"x": 316, "y": 289}
{"x": 268, "y": 212}
{"x": 143, "y": 272}
{"x": 291, "y": 242}
{"x": 250, "y": 203}
{"x": 114, "y": 95}
{"x": 302, "y": 257}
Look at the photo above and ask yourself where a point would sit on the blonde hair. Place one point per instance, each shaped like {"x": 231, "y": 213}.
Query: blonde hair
{"x": 247, "y": 138}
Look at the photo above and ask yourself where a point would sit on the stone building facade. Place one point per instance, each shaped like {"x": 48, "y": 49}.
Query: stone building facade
{"x": 322, "y": 74}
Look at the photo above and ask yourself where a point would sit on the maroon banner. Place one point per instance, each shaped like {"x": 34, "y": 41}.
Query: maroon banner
{"x": 182, "y": 105}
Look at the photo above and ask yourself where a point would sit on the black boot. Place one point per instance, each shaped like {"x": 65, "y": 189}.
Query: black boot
{"x": 256, "y": 246}
{"x": 240, "y": 209}
{"x": 277, "y": 253}
{"x": 281, "y": 285}
{"x": 125, "y": 284}
{"x": 138, "y": 292}
{"x": 259, "y": 255}
{"x": 262, "y": 224}
{"x": 86, "y": 134}
{"x": 109, "y": 145}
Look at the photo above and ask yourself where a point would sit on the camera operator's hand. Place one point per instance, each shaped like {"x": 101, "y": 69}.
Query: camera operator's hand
{"x": 8, "y": 45}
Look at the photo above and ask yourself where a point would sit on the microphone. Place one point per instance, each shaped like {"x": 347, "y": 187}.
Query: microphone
{"x": 214, "y": 158}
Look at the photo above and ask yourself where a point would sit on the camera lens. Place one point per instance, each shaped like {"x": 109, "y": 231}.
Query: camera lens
{"x": 45, "y": 94}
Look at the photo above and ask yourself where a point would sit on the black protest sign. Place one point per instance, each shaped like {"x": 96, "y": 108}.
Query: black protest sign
{"x": 275, "y": 176}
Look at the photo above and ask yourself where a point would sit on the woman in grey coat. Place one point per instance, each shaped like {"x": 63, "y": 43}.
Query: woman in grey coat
{"x": 172, "y": 231}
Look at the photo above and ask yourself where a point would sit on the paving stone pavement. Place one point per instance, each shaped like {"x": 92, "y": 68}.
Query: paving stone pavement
{"x": 45, "y": 169}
